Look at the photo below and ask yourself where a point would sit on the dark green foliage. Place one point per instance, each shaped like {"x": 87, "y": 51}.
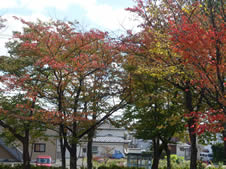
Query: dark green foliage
{"x": 103, "y": 167}
{"x": 117, "y": 167}
{"x": 21, "y": 167}
{"x": 218, "y": 152}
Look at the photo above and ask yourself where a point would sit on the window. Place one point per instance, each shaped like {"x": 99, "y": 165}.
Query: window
{"x": 95, "y": 149}
{"x": 39, "y": 147}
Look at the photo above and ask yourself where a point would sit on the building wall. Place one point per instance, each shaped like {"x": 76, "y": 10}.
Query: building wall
{"x": 173, "y": 148}
{"x": 58, "y": 151}
{"x": 107, "y": 129}
{"x": 104, "y": 149}
{"x": 110, "y": 132}
{"x": 4, "y": 155}
{"x": 50, "y": 149}
{"x": 50, "y": 146}
{"x": 183, "y": 150}
{"x": 7, "y": 154}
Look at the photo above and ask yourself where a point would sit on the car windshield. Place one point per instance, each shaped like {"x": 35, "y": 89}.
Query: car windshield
{"x": 43, "y": 160}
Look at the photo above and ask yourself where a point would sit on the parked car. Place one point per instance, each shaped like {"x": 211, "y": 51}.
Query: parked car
{"x": 44, "y": 160}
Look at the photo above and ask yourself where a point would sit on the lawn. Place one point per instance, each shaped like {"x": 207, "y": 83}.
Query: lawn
{"x": 108, "y": 162}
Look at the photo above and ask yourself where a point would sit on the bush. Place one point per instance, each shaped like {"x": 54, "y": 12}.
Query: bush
{"x": 218, "y": 152}
{"x": 176, "y": 159}
{"x": 21, "y": 167}
{"x": 103, "y": 167}
{"x": 116, "y": 167}
{"x": 177, "y": 162}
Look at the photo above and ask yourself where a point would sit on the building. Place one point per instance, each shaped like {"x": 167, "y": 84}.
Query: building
{"x": 13, "y": 153}
{"x": 9, "y": 153}
{"x": 108, "y": 139}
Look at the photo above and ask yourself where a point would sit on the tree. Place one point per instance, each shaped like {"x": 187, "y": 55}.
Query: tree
{"x": 19, "y": 130}
{"x": 19, "y": 103}
{"x": 77, "y": 71}
{"x": 152, "y": 49}
{"x": 200, "y": 40}
{"x": 154, "y": 112}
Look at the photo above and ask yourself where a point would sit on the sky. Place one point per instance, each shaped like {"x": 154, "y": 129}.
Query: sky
{"x": 107, "y": 15}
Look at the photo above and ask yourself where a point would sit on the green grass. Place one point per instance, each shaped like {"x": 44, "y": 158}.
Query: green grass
{"x": 118, "y": 162}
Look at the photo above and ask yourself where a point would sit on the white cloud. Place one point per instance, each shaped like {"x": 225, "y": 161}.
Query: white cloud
{"x": 103, "y": 15}
{"x": 106, "y": 16}
{"x": 15, "y": 25}
{"x": 39, "y": 5}
{"x": 8, "y": 4}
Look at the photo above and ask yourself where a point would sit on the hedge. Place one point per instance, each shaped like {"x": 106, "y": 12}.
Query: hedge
{"x": 117, "y": 167}
{"x": 21, "y": 167}
{"x": 218, "y": 152}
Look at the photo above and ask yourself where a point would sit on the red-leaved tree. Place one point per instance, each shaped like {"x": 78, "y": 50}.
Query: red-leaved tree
{"x": 78, "y": 78}
{"x": 152, "y": 51}
{"x": 200, "y": 40}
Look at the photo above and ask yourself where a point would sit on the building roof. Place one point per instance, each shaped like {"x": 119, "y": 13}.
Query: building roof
{"x": 110, "y": 139}
{"x": 12, "y": 150}
{"x": 106, "y": 125}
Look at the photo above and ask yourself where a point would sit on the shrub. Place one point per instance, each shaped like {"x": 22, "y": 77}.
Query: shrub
{"x": 116, "y": 167}
{"x": 176, "y": 159}
{"x": 218, "y": 152}
{"x": 21, "y": 167}
{"x": 176, "y": 163}
{"x": 103, "y": 167}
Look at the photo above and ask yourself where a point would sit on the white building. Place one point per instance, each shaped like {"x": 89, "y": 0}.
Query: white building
{"x": 107, "y": 140}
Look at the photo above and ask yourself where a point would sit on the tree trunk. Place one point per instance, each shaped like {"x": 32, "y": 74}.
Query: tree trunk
{"x": 168, "y": 156}
{"x": 73, "y": 147}
{"x": 192, "y": 135}
{"x": 89, "y": 154}
{"x": 61, "y": 130}
{"x": 157, "y": 153}
{"x": 73, "y": 156}
{"x": 90, "y": 140}
{"x": 224, "y": 138}
{"x": 89, "y": 150}
{"x": 191, "y": 125}
{"x": 62, "y": 149}
{"x": 26, "y": 157}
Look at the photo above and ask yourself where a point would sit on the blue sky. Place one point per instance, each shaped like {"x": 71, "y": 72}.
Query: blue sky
{"x": 107, "y": 15}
